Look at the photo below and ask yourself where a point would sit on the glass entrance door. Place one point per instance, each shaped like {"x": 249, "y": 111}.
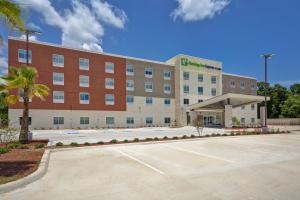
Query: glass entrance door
{"x": 209, "y": 120}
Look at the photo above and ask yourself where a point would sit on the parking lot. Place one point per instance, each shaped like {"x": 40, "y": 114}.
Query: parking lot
{"x": 245, "y": 167}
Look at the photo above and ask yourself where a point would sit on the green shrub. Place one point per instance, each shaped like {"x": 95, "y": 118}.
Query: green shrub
{"x": 175, "y": 137}
{"x": 165, "y": 137}
{"x": 192, "y": 136}
{"x": 224, "y": 134}
{"x": 136, "y": 139}
{"x": 4, "y": 150}
{"x": 59, "y": 144}
{"x": 156, "y": 139}
{"x": 125, "y": 141}
{"x": 86, "y": 143}
{"x": 39, "y": 146}
{"x": 218, "y": 134}
{"x": 207, "y": 135}
{"x": 185, "y": 136}
{"x": 148, "y": 139}
{"x": 100, "y": 142}
{"x": 23, "y": 146}
{"x": 232, "y": 133}
{"x": 213, "y": 135}
{"x": 13, "y": 145}
{"x": 113, "y": 141}
{"x": 74, "y": 144}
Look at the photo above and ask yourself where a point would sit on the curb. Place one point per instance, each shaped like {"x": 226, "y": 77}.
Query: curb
{"x": 30, "y": 178}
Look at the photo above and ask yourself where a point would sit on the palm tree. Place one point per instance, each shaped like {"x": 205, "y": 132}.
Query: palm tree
{"x": 11, "y": 12}
{"x": 23, "y": 79}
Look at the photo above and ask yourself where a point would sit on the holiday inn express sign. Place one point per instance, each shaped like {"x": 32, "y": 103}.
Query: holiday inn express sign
{"x": 187, "y": 62}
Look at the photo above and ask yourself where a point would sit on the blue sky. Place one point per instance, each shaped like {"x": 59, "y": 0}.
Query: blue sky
{"x": 234, "y": 32}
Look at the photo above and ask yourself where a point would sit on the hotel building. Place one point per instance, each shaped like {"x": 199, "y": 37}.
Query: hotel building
{"x": 93, "y": 89}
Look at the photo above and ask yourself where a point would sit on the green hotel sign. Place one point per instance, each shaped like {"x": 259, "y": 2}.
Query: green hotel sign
{"x": 187, "y": 62}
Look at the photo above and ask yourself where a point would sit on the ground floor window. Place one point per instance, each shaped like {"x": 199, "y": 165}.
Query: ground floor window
{"x": 110, "y": 120}
{"x": 167, "y": 120}
{"x": 243, "y": 120}
{"x": 84, "y": 120}
{"x": 29, "y": 120}
{"x": 149, "y": 120}
{"x": 186, "y": 101}
{"x": 130, "y": 120}
{"x": 253, "y": 120}
{"x": 58, "y": 120}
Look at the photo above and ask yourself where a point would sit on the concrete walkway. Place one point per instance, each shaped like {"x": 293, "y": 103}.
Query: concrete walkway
{"x": 234, "y": 168}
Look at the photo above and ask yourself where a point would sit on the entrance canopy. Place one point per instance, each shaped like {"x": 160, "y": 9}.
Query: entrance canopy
{"x": 219, "y": 102}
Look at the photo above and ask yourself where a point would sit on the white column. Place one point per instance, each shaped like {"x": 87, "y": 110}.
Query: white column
{"x": 262, "y": 115}
{"x": 228, "y": 116}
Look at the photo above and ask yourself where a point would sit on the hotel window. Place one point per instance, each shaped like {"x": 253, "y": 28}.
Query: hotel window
{"x": 130, "y": 99}
{"x": 110, "y": 120}
{"x": 243, "y": 121}
{"x": 167, "y": 75}
{"x": 200, "y": 100}
{"x": 200, "y": 77}
{"x": 186, "y": 101}
{"x": 84, "y": 81}
{"x": 84, "y": 64}
{"x": 58, "y": 78}
{"x": 130, "y": 120}
{"x": 129, "y": 70}
{"x": 167, "y": 88}
{"x": 252, "y": 106}
{"x": 242, "y": 107}
{"x": 109, "y": 83}
{"x": 22, "y": 56}
{"x": 232, "y": 84}
{"x": 213, "y": 80}
{"x": 213, "y": 91}
{"x": 200, "y": 90}
{"x": 58, "y": 60}
{"x": 167, "y": 102}
{"x": 84, "y": 120}
{"x": 167, "y": 120}
{"x": 84, "y": 98}
{"x": 129, "y": 85}
{"x": 109, "y": 67}
{"x": 29, "y": 120}
{"x": 253, "y": 120}
{"x": 58, "y": 120}
{"x": 242, "y": 85}
{"x": 58, "y": 97}
{"x": 186, "y": 75}
{"x": 148, "y": 72}
{"x": 149, "y": 100}
{"x": 148, "y": 87}
{"x": 186, "y": 89}
{"x": 149, "y": 120}
{"x": 110, "y": 99}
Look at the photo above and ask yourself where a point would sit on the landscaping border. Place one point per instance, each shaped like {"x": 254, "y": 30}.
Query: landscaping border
{"x": 41, "y": 171}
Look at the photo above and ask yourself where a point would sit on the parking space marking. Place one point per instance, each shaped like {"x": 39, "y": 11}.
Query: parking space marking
{"x": 139, "y": 161}
{"x": 199, "y": 154}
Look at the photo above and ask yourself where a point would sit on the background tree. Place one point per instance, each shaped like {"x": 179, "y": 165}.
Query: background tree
{"x": 3, "y": 109}
{"x": 291, "y": 107}
{"x": 295, "y": 88}
{"x": 23, "y": 79}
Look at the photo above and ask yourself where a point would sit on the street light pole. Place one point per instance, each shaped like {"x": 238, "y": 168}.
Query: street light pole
{"x": 28, "y": 33}
{"x": 266, "y": 57}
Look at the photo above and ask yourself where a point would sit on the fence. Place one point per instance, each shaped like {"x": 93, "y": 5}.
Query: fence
{"x": 284, "y": 121}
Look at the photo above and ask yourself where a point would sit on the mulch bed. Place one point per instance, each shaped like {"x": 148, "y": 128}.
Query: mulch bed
{"x": 18, "y": 163}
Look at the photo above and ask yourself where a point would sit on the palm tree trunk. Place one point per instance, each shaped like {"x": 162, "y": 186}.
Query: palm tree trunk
{"x": 23, "y": 137}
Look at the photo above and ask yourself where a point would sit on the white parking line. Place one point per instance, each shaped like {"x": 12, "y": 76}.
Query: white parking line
{"x": 199, "y": 154}
{"x": 139, "y": 161}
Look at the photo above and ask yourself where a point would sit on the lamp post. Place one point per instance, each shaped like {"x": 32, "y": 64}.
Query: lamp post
{"x": 28, "y": 33}
{"x": 266, "y": 57}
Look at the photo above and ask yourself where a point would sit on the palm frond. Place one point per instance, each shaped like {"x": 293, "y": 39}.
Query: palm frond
{"x": 12, "y": 14}
{"x": 12, "y": 99}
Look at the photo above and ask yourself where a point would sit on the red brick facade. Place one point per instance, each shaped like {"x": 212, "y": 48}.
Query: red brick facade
{"x": 42, "y": 60}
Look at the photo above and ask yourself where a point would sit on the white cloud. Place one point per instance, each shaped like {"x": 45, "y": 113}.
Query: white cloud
{"x": 31, "y": 37}
{"x": 82, "y": 24}
{"x": 3, "y": 65}
{"x": 196, "y": 10}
